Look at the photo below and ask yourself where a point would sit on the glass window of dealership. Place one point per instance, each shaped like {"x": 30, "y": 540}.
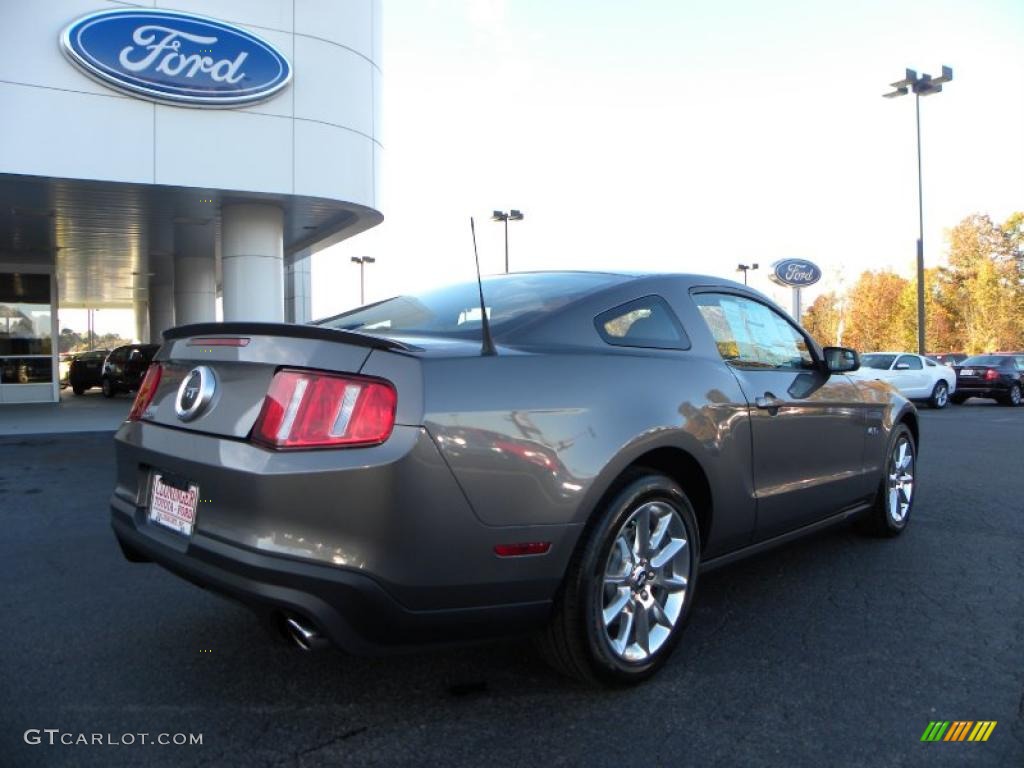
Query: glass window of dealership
{"x": 27, "y": 329}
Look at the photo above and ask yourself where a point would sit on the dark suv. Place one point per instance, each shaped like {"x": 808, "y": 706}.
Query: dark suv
{"x": 86, "y": 370}
{"x": 999, "y": 377}
{"x": 125, "y": 367}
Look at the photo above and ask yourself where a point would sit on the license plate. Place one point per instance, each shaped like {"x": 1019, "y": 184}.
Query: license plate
{"x": 172, "y": 507}
{"x": 966, "y": 371}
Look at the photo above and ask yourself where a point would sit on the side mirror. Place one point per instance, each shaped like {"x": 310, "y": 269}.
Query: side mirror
{"x": 841, "y": 359}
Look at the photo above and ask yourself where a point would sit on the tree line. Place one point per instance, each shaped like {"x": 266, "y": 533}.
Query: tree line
{"x": 973, "y": 304}
{"x": 73, "y": 341}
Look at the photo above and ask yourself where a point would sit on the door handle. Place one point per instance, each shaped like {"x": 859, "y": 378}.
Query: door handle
{"x": 769, "y": 402}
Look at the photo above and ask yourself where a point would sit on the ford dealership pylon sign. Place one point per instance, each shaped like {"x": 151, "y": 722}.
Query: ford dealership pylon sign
{"x": 795, "y": 273}
{"x": 176, "y": 58}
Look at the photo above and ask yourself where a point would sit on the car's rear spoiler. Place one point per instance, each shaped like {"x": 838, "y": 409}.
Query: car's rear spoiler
{"x": 297, "y": 331}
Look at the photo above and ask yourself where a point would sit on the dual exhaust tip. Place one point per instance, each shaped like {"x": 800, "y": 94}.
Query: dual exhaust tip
{"x": 303, "y": 634}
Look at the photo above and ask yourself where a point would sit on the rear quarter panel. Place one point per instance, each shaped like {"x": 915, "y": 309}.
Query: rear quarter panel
{"x": 538, "y": 438}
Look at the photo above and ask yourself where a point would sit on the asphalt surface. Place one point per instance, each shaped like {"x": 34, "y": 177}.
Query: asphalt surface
{"x": 837, "y": 650}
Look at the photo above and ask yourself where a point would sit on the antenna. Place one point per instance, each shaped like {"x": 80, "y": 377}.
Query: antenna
{"x": 487, "y": 348}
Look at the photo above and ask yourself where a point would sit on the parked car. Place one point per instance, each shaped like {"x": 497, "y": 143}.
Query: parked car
{"x": 949, "y": 358}
{"x": 86, "y": 370}
{"x": 125, "y": 368}
{"x": 998, "y": 377}
{"x": 915, "y": 376}
{"x": 399, "y": 475}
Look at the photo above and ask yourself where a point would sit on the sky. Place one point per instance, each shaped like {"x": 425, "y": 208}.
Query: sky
{"x": 682, "y": 136}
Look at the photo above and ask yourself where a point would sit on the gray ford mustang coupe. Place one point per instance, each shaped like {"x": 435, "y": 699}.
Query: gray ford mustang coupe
{"x": 567, "y": 462}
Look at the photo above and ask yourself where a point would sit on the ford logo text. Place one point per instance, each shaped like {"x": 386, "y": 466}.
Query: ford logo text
{"x": 795, "y": 273}
{"x": 176, "y": 58}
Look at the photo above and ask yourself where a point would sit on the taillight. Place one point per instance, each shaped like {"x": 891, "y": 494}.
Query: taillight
{"x": 991, "y": 374}
{"x": 310, "y": 409}
{"x": 146, "y": 391}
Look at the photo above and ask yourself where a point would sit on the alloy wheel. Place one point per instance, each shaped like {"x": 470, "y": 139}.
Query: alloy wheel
{"x": 645, "y": 581}
{"x": 1015, "y": 395}
{"x": 900, "y": 485}
{"x": 941, "y": 395}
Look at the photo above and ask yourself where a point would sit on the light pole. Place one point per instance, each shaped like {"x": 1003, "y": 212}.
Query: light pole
{"x": 920, "y": 85}
{"x": 744, "y": 268}
{"x": 512, "y": 215}
{"x": 362, "y": 261}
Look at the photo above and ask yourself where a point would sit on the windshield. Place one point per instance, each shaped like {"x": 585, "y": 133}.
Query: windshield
{"x": 879, "y": 362}
{"x": 455, "y": 310}
{"x": 993, "y": 360}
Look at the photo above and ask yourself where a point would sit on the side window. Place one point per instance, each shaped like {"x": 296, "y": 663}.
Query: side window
{"x": 912, "y": 362}
{"x": 931, "y": 363}
{"x": 647, "y": 322}
{"x": 749, "y": 333}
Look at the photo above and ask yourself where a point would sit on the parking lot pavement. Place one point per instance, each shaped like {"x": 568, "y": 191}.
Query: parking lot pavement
{"x": 88, "y": 412}
{"x": 837, "y": 650}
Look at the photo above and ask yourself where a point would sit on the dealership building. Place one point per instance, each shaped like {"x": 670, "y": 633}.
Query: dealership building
{"x": 162, "y": 158}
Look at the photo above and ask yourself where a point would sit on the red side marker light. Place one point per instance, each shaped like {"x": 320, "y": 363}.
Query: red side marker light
{"x": 522, "y": 548}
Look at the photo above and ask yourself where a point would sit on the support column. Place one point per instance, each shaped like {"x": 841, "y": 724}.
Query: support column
{"x": 141, "y": 308}
{"x": 297, "y": 288}
{"x": 161, "y": 282}
{"x": 195, "y": 285}
{"x": 252, "y": 262}
{"x": 161, "y": 310}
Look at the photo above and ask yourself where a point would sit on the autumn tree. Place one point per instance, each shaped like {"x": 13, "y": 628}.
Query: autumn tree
{"x": 975, "y": 303}
{"x": 822, "y": 319}
{"x": 983, "y": 286}
{"x": 875, "y": 318}
{"x": 941, "y": 316}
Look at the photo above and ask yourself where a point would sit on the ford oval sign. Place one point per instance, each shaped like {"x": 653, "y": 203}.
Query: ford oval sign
{"x": 176, "y": 58}
{"x": 795, "y": 273}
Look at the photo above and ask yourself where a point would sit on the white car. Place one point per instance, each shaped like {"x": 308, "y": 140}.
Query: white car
{"x": 916, "y": 377}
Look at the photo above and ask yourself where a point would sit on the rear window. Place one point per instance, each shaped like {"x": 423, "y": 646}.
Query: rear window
{"x": 993, "y": 361}
{"x": 454, "y": 310}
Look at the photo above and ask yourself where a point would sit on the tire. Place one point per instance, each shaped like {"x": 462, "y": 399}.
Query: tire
{"x": 940, "y": 396}
{"x": 1013, "y": 397}
{"x": 604, "y": 573}
{"x": 957, "y": 399}
{"x": 78, "y": 389}
{"x": 881, "y": 520}
{"x": 108, "y": 388}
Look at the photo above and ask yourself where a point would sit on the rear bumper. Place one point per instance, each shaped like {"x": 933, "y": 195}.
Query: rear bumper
{"x": 351, "y": 609}
{"x": 995, "y": 392}
{"x": 378, "y": 547}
